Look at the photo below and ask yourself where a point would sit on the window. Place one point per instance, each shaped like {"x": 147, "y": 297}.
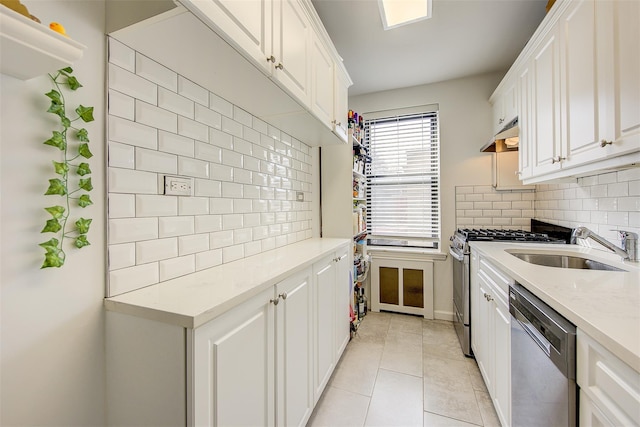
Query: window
{"x": 403, "y": 179}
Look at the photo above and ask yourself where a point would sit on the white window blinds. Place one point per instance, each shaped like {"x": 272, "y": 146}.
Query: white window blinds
{"x": 403, "y": 177}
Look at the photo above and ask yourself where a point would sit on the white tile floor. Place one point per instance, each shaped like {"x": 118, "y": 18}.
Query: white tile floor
{"x": 404, "y": 371}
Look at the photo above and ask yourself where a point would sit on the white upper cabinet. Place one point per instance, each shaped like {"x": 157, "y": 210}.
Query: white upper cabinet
{"x": 247, "y": 23}
{"x": 579, "y": 92}
{"x": 291, "y": 45}
{"x": 505, "y": 106}
{"x": 341, "y": 103}
{"x": 322, "y": 79}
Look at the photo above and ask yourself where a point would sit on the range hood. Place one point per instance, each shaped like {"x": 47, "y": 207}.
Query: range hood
{"x": 505, "y": 140}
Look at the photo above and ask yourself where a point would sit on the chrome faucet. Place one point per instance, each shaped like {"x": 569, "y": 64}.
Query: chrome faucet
{"x": 628, "y": 251}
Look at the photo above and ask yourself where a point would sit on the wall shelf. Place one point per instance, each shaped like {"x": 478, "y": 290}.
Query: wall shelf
{"x": 30, "y": 49}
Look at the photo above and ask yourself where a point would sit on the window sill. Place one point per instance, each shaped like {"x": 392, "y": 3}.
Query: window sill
{"x": 400, "y": 252}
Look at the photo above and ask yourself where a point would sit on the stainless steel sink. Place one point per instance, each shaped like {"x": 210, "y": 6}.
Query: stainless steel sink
{"x": 563, "y": 261}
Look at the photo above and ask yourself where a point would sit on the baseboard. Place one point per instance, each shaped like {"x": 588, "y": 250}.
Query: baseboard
{"x": 443, "y": 315}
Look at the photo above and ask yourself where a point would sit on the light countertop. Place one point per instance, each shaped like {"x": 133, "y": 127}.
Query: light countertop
{"x": 192, "y": 300}
{"x": 603, "y": 304}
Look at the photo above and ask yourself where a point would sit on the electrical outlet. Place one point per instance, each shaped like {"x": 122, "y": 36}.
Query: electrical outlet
{"x": 299, "y": 196}
{"x": 177, "y": 186}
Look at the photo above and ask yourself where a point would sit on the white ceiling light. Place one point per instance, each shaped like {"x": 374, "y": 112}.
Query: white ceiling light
{"x": 395, "y": 13}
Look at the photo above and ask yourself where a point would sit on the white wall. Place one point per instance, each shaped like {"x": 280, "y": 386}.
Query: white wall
{"x": 52, "y": 355}
{"x": 465, "y": 125}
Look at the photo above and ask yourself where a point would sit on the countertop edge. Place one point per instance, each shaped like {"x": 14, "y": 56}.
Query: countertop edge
{"x": 140, "y": 303}
{"x": 598, "y": 333}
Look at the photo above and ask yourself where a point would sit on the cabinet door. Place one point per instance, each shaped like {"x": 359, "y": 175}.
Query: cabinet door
{"x": 486, "y": 334}
{"x": 291, "y": 43}
{"x": 547, "y": 152}
{"x": 626, "y": 52}
{"x": 294, "y": 350}
{"x": 590, "y": 415}
{"x": 321, "y": 82}
{"x": 502, "y": 352}
{"x": 585, "y": 89}
{"x": 474, "y": 292}
{"x": 525, "y": 121}
{"x": 344, "y": 290}
{"x": 341, "y": 104}
{"x": 324, "y": 323}
{"x": 244, "y": 24}
{"x": 233, "y": 366}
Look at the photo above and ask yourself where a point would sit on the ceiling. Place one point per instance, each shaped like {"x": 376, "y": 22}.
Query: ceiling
{"x": 463, "y": 38}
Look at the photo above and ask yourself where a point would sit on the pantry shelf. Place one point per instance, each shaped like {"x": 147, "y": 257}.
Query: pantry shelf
{"x": 30, "y": 49}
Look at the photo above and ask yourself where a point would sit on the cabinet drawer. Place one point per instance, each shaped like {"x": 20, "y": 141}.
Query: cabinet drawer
{"x": 496, "y": 277}
{"x": 612, "y": 385}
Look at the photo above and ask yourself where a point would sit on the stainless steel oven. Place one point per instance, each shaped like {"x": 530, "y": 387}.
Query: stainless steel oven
{"x": 459, "y": 250}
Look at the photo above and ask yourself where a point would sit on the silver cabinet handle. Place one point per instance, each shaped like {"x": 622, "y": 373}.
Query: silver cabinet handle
{"x": 488, "y": 297}
{"x": 604, "y": 143}
{"x": 271, "y": 59}
{"x": 275, "y": 301}
{"x": 558, "y": 159}
{"x": 283, "y": 295}
{"x": 280, "y": 66}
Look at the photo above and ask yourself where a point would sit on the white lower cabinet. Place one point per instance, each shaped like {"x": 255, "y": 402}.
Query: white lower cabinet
{"x": 609, "y": 388}
{"x": 491, "y": 332}
{"x": 264, "y": 362}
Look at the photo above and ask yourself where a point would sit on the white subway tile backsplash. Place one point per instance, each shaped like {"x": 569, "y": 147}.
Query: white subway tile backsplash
{"x": 192, "y": 129}
{"x": 220, "y": 105}
{"x": 175, "y": 144}
{"x": 157, "y": 73}
{"x": 245, "y": 177}
{"x": 176, "y": 226}
{"x": 631, "y": 204}
{"x": 220, "y": 239}
{"x": 208, "y": 117}
{"x": 121, "y": 155}
{"x": 122, "y": 256}
{"x": 232, "y": 253}
{"x": 156, "y": 117}
{"x": 208, "y": 259}
{"x": 132, "y": 278}
{"x": 220, "y": 206}
{"x": 122, "y": 56}
{"x": 193, "y": 167}
{"x": 156, "y": 205}
{"x": 132, "y": 133}
{"x": 618, "y": 189}
{"x": 121, "y": 205}
{"x": 193, "y": 244}
{"x": 220, "y": 138}
{"x": 124, "y": 230}
{"x": 207, "y": 188}
{"x": 193, "y": 91}
{"x": 132, "y": 181}
{"x": 121, "y": 105}
{"x": 193, "y": 205}
{"x": 607, "y": 178}
{"x": 156, "y": 161}
{"x": 208, "y": 223}
{"x": 126, "y": 82}
{"x": 176, "y": 267}
{"x": 221, "y": 172}
{"x": 175, "y": 103}
{"x": 156, "y": 250}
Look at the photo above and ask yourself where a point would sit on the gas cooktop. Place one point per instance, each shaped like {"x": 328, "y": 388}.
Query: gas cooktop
{"x": 487, "y": 234}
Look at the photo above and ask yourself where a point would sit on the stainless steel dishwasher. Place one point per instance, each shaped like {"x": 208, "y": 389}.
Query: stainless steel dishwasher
{"x": 543, "y": 363}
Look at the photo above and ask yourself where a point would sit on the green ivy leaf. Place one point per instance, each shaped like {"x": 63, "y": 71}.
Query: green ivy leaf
{"x": 85, "y": 184}
{"x": 51, "y": 245}
{"x": 52, "y": 226}
{"x": 57, "y": 140}
{"x": 83, "y": 135}
{"x": 84, "y": 151}
{"x": 81, "y": 241}
{"x": 54, "y": 95}
{"x": 56, "y": 211}
{"x": 56, "y": 107}
{"x": 74, "y": 84}
{"x": 52, "y": 259}
{"x": 83, "y": 225}
{"x": 84, "y": 169}
{"x": 56, "y": 186}
{"x": 65, "y": 121}
{"x": 85, "y": 113}
{"x": 66, "y": 70}
{"x": 84, "y": 201}
{"x": 60, "y": 168}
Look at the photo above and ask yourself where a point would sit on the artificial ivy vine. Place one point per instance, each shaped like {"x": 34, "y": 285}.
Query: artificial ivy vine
{"x": 65, "y": 184}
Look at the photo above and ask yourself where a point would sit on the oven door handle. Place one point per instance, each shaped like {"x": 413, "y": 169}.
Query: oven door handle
{"x": 455, "y": 254}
